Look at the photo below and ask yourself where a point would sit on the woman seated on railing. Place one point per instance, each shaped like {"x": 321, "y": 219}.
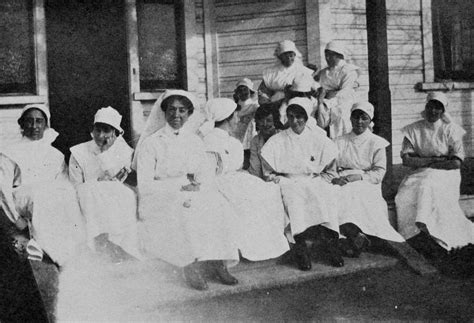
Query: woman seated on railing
{"x": 361, "y": 165}
{"x": 98, "y": 168}
{"x": 428, "y": 211}
{"x": 184, "y": 220}
{"x": 261, "y": 217}
{"x": 35, "y": 192}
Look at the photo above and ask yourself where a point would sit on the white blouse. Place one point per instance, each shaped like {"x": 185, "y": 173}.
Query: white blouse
{"x": 307, "y": 153}
{"x": 433, "y": 139}
{"x": 365, "y": 152}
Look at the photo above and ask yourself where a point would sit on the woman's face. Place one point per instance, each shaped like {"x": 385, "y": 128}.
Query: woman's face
{"x": 296, "y": 121}
{"x": 330, "y": 58}
{"x": 433, "y": 111}
{"x": 34, "y": 124}
{"x": 360, "y": 121}
{"x": 242, "y": 93}
{"x": 266, "y": 126}
{"x": 287, "y": 58}
{"x": 176, "y": 114}
{"x": 103, "y": 135}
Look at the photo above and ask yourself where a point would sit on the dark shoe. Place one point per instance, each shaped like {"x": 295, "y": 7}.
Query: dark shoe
{"x": 347, "y": 248}
{"x": 194, "y": 278}
{"x": 359, "y": 243}
{"x": 220, "y": 272}
{"x": 334, "y": 256}
{"x": 302, "y": 258}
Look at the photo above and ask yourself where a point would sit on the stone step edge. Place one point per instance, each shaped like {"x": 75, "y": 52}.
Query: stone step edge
{"x": 275, "y": 282}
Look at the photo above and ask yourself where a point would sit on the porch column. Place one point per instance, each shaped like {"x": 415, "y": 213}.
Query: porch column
{"x": 379, "y": 87}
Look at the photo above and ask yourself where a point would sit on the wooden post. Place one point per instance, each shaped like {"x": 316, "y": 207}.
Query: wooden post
{"x": 379, "y": 87}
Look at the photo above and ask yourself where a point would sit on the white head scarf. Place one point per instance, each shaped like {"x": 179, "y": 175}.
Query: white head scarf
{"x": 247, "y": 83}
{"x": 287, "y": 46}
{"x": 109, "y": 116}
{"x": 49, "y": 134}
{"x": 368, "y": 108}
{"x": 42, "y": 107}
{"x": 216, "y": 110}
{"x": 337, "y": 47}
{"x": 440, "y": 97}
{"x": 156, "y": 120}
{"x": 307, "y": 105}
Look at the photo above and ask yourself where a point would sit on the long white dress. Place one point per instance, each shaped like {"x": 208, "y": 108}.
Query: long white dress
{"x": 258, "y": 205}
{"x": 109, "y": 206}
{"x": 339, "y": 83}
{"x": 431, "y": 196}
{"x": 308, "y": 195}
{"x": 361, "y": 202}
{"x": 178, "y": 226}
{"x": 34, "y": 184}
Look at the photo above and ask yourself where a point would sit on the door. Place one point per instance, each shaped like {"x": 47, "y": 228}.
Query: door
{"x": 87, "y": 65}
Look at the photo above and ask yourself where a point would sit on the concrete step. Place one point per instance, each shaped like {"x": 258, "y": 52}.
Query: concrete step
{"x": 131, "y": 291}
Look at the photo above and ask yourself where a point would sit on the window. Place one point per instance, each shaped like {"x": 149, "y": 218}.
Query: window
{"x": 453, "y": 39}
{"x": 160, "y": 43}
{"x": 17, "y": 54}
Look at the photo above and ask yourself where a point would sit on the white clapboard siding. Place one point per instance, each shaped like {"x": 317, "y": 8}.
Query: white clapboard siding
{"x": 247, "y": 34}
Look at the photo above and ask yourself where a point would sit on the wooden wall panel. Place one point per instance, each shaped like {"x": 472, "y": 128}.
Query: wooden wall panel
{"x": 247, "y": 33}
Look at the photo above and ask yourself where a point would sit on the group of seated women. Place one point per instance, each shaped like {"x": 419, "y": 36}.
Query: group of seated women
{"x": 197, "y": 209}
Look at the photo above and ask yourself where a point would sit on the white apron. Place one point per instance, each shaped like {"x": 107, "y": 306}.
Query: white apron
{"x": 107, "y": 205}
{"x": 258, "y": 205}
{"x": 45, "y": 195}
{"x": 177, "y": 226}
{"x": 431, "y": 196}
{"x": 361, "y": 202}
{"x": 308, "y": 196}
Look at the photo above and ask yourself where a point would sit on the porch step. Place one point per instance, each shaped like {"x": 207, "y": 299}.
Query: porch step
{"x": 133, "y": 291}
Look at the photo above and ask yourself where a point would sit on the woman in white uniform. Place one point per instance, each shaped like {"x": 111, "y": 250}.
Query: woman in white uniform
{"x": 337, "y": 95}
{"x": 428, "y": 211}
{"x": 277, "y": 77}
{"x": 258, "y": 205}
{"x": 361, "y": 165}
{"x": 302, "y": 160}
{"x": 35, "y": 191}
{"x": 98, "y": 168}
{"x": 184, "y": 220}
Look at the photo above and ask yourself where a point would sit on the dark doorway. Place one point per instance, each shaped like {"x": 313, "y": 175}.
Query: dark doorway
{"x": 87, "y": 65}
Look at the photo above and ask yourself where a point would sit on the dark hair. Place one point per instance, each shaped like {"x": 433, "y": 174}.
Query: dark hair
{"x": 21, "y": 120}
{"x": 340, "y": 56}
{"x": 101, "y": 125}
{"x": 269, "y": 109}
{"x": 182, "y": 99}
{"x": 298, "y": 110}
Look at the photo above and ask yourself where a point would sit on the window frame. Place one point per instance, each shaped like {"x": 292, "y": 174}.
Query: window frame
{"x": 40, "y": 63}
{"x": 159, "y": 85}
{"x": 429, "y": 83}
